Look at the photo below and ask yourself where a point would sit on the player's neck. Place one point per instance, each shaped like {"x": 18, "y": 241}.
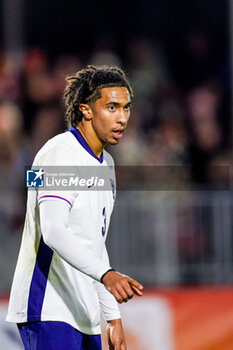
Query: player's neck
{"x": 91, "y": 138}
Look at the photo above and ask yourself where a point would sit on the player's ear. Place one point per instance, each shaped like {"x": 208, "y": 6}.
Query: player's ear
{"x": 86, "y": 110}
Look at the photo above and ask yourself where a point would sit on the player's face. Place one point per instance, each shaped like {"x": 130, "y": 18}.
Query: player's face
{"x": 110, "y": 114}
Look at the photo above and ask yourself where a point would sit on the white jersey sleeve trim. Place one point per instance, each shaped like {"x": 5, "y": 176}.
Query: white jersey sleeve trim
{"x": 53, "y": 197}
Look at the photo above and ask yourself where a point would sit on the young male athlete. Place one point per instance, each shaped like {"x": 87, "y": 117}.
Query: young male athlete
{"x": 63, "y": 275}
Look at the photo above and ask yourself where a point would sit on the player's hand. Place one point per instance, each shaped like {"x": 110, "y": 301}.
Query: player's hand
{"x": 121, "y": 286}
{"x": 115, "y": 335}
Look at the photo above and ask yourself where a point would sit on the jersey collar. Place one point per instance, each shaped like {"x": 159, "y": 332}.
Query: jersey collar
{"x": 84, "y": 143}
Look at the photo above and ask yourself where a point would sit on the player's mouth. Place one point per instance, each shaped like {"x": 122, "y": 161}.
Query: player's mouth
{"x": 118, "y": 133}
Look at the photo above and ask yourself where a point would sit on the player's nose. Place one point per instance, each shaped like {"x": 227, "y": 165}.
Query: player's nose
{"x": 122, "y": 117}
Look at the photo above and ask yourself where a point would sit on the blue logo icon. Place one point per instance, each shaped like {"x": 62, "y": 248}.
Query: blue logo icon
{"x": 35, "y": 178}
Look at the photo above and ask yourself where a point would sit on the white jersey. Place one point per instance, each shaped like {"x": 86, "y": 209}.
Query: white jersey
{"x": 45, "y": 287}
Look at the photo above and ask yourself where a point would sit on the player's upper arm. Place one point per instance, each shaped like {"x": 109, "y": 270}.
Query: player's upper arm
{"x": 56, "y": 160}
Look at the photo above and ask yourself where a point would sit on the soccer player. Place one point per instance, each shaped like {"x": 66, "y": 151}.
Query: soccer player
{"x": 63, "y": 275}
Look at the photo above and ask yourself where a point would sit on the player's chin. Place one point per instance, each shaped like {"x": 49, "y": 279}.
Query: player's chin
{"x": 113, "y": 141}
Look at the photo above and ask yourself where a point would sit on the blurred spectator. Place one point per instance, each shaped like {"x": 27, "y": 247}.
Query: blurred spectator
{"x": 35, "y": 61}
{"x": 34, "y": 71}
{"x": 9, "y": 78}
{"x": 147, "y": 67}
{"x": 12, "y": 197}
{"x": 48, "y": 123}
{"x": 193, "y": 62}
{"x": 63, "y": 66}
{"x": 205, "y": 131}
{"x": 105, "y": 56}
{"x": 10, "y": 133}
{"x": 167, "y": 126}
{"x": 167, "y": 144}
{"x": 105, "y": 52}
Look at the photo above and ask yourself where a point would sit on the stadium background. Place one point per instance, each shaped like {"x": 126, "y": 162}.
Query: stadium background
{"x": 178, "y": 243}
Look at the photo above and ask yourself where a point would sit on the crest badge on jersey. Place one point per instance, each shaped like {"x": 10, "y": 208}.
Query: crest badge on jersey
{"x": 113, "y": 189}
{"x": 35, "y": 178}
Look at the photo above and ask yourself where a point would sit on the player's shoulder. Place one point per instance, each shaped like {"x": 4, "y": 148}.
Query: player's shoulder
{"x": 60, "y": 146}
{"x": 59, "y": 141}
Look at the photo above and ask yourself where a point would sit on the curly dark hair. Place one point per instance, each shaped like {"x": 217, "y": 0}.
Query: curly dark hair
{"x": 85, "y": 87}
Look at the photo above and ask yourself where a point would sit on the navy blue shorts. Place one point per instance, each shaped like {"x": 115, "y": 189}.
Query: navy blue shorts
{"x": 54, "y": 335}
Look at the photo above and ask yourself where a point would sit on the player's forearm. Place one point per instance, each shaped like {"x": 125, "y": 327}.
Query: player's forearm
{"x": 53, "y": 216}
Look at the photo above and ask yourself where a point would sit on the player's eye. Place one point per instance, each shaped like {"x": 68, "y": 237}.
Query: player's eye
{"x": 112, "y": 108}
{"x": 127, "y": 108}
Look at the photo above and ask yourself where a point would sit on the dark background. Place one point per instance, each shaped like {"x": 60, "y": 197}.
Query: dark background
{"x": 68, "y": 26}
{"x": 80, "y": 27}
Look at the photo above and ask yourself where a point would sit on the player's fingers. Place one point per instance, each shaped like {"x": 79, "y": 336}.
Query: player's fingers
{"x": 117, "y": 295}
{"x": 123, "y": 292}
{"x": 120, "y": 346}
{"x": 137, "y": 291}
{"x": 137, "y": 286}
{"x": 123, "y": 345}
{"x": 116, "y": 343}
{"x": 132, "y": 287}
{"x": 110, "y": 345}
{"x": 128, "y": 291}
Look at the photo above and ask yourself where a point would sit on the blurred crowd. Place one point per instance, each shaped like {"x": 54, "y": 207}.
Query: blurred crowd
{"x": 180, "y": 115}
